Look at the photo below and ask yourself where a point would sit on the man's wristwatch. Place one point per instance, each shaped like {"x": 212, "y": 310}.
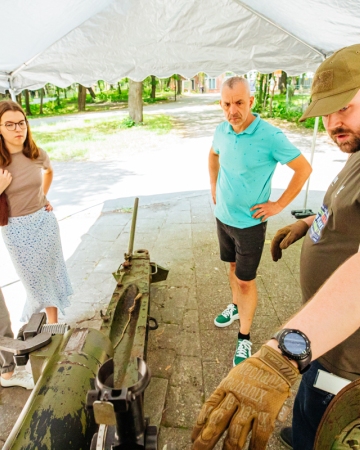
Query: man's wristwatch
{"x": 295, "y": 345}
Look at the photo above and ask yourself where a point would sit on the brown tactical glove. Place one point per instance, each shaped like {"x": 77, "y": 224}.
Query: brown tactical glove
{"x": 287, "y": 236}
{"x": 249, "y": 398}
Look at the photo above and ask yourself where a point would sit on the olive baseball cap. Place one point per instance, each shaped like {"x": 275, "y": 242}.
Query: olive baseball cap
{"x": 335, "y": 83}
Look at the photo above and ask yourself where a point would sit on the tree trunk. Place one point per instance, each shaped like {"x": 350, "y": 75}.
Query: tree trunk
{"x": 81, "y": 97}
{"x": 91, "y": 92}
{"x": 119, "y": 88}
{"x": 271, "y": 92}
{"x": 18, "y": 99}
{"x": 27, "y": 102}
{"x": 65, "y": 92}
{"x": 283, "y": 82}
{"x": 261, "y": 82}
{"x": 135, "y": 101}
{"x": 58, "y": 96}
{"x": 266, "y": 85}
{"x": 179, "y": 85}
{"x": 153, "y": 86}
{"x": 42, "y": 92}
{"x": 168, "y": 82}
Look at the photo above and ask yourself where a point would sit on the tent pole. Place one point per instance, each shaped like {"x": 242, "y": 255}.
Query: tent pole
{"x": 316, "y": 125}
{"x": 13, "y": 96}
{"x": 11, "y": 90}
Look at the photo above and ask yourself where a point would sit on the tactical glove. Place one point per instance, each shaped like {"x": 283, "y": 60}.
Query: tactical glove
{"x": 287, "y": 236}
{"x": 249, "y": 398}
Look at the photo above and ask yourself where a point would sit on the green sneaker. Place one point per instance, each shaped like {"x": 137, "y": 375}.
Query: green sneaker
{"x": 243, "y": 351}
{"x": 227, "y": 317}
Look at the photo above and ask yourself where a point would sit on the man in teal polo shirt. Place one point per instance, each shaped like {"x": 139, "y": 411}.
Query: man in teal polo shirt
{"x": 242, "y": 161}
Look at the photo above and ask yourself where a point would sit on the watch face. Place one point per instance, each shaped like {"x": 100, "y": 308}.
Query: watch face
{"x": 295, "y": 343}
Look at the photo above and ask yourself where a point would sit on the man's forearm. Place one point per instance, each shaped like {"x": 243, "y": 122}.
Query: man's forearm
{"x": 309, "y": 220}
{"x": 296, "y": 183}
{"x": 333, "y": 314}
{"x": 214, "y": 167}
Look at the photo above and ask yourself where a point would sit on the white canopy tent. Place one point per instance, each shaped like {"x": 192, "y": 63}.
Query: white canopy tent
{"x": 87, "y": 40}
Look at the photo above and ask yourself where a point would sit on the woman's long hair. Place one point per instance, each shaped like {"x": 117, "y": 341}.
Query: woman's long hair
{"x": 30, "y": 149}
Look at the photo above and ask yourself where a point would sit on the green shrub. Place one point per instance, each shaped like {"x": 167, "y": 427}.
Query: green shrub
{"x": 127, "y": 122}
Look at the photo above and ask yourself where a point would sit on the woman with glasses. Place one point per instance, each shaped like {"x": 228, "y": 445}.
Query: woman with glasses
{"x": 32, "y": 233}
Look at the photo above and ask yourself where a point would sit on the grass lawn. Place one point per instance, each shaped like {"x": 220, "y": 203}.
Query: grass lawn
{"x": 80, "y": 138}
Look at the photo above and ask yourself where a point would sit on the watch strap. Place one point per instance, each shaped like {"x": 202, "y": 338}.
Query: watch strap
{"x": 303, "y": 364}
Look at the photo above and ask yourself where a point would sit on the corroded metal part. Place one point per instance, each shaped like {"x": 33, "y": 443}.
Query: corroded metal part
{"x": 133, "y": 342}
{"x": 122, "y": 408}
{"x": 339, "y": 428}
{"x": 55, "y": 416}
{"x": 158, "y": 273}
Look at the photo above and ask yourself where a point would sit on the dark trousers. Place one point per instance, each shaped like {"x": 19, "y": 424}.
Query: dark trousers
{"x": 309, "y": 406}
{"x": 6, "y": 358}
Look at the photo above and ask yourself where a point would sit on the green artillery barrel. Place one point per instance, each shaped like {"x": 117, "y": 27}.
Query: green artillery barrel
{"x": 55, "y": 416}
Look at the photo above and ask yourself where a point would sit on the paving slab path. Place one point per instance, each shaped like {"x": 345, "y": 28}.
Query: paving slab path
{"x": 188, "y": 356}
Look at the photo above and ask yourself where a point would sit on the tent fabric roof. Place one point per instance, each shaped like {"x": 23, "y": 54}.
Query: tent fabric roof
{"x": 87, "y": 40}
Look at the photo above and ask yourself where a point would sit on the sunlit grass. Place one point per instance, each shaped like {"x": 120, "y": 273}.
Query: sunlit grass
{"x": 75, "y": 139}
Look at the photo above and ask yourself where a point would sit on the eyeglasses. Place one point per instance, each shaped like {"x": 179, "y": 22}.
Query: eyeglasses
{"x": 11, "y": 126}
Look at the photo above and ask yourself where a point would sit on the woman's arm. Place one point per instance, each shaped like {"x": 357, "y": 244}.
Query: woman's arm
{"x": 48, "y": 175}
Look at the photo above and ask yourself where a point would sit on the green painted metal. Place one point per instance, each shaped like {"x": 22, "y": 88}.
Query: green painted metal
{"x": 55, "y": 416}
{"x": 134, "y": 280}
{"x": 340, "y": 426}
{"x": 42, "y": 355}
{"x": 349, "y": 438}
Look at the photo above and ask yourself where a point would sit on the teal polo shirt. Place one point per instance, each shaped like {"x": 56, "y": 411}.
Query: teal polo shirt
{"x": 247, "y": 164}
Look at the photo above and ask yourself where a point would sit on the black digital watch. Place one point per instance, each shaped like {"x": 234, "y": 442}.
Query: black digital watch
{"x": 295, "y": 345}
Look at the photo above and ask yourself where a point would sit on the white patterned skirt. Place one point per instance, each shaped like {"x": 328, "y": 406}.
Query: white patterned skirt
{"x": 33, "y": 242}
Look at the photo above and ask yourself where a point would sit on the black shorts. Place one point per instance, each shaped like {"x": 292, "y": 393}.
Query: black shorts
{"x": 243, "y": 246}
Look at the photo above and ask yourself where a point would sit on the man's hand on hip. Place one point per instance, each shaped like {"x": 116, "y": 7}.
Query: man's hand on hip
{"x": 287, "y": 236}
{"x": 266, "y": 210}
{"x": 249, "y": 398}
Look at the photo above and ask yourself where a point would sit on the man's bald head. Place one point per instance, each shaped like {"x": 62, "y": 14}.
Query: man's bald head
{"x": 236, "y": 102}
{"x": 233, "y": 82}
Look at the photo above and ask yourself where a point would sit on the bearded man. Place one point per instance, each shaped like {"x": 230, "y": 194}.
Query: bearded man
{"x": 332, "y": 236}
